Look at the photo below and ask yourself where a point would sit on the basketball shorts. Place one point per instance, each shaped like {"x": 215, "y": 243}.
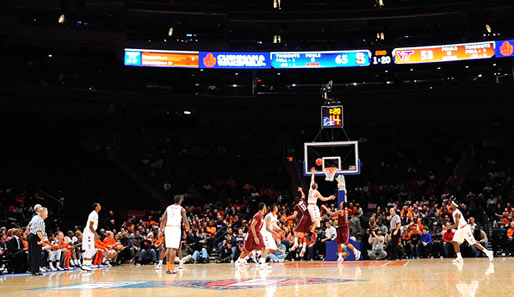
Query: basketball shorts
{"x": 314, "y": 212}
{"x": 269, "y": 241}
{"x": 464, "y": 233}
{"x": 172, "y": 236}
{"x": 88, "y": 240}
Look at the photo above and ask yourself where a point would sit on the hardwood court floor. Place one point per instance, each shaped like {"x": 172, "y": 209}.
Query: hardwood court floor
{"x": 414, "y": 278}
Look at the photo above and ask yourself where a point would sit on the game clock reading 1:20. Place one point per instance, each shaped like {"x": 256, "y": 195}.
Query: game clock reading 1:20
{"x": 332, "y": 116}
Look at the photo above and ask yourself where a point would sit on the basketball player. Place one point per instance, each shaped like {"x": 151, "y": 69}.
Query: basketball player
{"x": 270, "y": 228}
{"x": 90, "y": 236}
{"x": 463, "y": 233}
{"x": 312, "y": 200}
{"x": 254, "y": 241}
{"x": 343, "y": 232}
{"x": 304, "y": 224}
{"x": 171, "y": 224}
{"x": 163, "y": 253}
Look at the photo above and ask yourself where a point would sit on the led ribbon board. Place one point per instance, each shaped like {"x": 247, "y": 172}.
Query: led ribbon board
{"x": 234, "y": 60}
{"x": 444, "y": 53}
{"x": 504, "y": 48}
{"x": 320, "y": 59}
{"x": 157, "y": 58}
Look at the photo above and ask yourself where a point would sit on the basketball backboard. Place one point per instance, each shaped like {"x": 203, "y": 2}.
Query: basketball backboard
{"x": 341, "y": 154}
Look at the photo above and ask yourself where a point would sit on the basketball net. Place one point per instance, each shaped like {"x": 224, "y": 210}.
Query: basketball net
{"x": 330, "y": 172}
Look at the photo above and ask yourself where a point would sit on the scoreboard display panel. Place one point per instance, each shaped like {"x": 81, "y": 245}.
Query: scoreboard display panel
{"x": 235, "y": 60}
{"x": 158, "y": 58}
{"x": 324, "y": 59}
{"x": 444, "y": 53}
{"x": 332, "y": 116}
{"x": 505, "y": 48}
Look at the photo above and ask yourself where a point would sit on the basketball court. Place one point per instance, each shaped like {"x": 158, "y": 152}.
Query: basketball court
{"x": 431, "y": 277}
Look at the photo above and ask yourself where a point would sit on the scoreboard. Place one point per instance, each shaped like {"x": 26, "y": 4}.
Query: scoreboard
{"x": 332, "y": 116}
{"x": 444, "y": 53}
{"x": 154, "y": 58}
{"x": 320, "y": 59}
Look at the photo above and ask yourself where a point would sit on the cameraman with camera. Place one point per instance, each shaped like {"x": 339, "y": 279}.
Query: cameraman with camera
{"x": 376, "y": 240}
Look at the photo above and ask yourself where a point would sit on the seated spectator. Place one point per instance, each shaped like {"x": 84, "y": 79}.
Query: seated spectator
{"x": 510, "y": 238}
{"x": 448, "y": 250}
{"x": 414, "y": 239}
{"x": 376, "y": 240}
{"x": 147, "y": 255}
{"x": 280, "y": 254}
{"x": 202, "y": 256}
{"x": 225, "y": 252}
{"x": 236, "y": 242}
{"x": 426, "y": 243}
{"x": 16, "y": 251}
{"x": 481, "y": 237}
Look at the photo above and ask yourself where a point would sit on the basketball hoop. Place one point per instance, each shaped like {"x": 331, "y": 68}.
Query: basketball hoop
{"x": 330, "y": 172}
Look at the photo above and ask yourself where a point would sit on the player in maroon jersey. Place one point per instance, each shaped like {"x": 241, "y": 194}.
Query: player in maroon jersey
{"x": 254, "y": 241}
{"x": 304, "y": 224}
{"x": 343, "y": 232}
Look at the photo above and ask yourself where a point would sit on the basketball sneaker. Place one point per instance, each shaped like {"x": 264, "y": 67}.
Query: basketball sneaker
{"x": 86, "y": 268}
{"x": 489, "y": 255}
{"x": 458, "y": 261}
{"x": 294, "y": 247}
{"x": 181, "y": 264}
{"x": 357, "y": 255}
{"x": 340, "y": 260}
{"x": 264, "y": 266}
{"x": 158, "y": 267}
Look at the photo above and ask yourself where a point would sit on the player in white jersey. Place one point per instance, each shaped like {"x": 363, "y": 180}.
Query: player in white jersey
{"x": 463, "y": 233}
{"x": 270, "y": 228}
{"x": 312, "y": 200}
{"x": 171, "y": 223}
{"x": 90, "y": 236}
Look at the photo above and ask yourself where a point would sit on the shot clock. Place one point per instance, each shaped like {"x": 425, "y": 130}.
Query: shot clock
{"x": 332, "y": 116}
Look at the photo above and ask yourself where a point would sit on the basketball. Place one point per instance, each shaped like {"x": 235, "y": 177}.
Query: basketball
{"x": 319, "y": 162}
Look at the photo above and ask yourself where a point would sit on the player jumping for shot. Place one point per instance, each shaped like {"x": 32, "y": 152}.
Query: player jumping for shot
{"x": 312, "y": 200}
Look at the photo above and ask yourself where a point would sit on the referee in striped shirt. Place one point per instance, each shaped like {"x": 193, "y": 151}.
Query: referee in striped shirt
{"x": 36, "y": 239}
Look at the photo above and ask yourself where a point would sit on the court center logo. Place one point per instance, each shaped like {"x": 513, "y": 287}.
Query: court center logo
{"x": 223, "y": 285}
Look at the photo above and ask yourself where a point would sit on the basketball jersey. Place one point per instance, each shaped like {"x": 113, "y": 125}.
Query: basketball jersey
{"x": 93, "y": 217}
{"x": 174, "y": 216}
{"x": 259, "y": 218}
{"x": 272, "y": 221}
{"x": 313, "y": 199}
{"x": 462, "y": 221}
{"x": 342, "y": 218}
{"x": 301, "y": 207}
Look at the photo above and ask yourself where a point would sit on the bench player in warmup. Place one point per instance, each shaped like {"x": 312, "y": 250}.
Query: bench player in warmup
{"x": 463, "y": 233}
{"x": 171, "y": 223}
{"x": 304, "y": 224}
{"x": 312, "y": 201}
{"x": 343, "y": 225}
{"x": 254, "y": 241}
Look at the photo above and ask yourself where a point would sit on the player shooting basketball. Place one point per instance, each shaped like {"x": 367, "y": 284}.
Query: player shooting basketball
{"x": 313, "y": 208}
